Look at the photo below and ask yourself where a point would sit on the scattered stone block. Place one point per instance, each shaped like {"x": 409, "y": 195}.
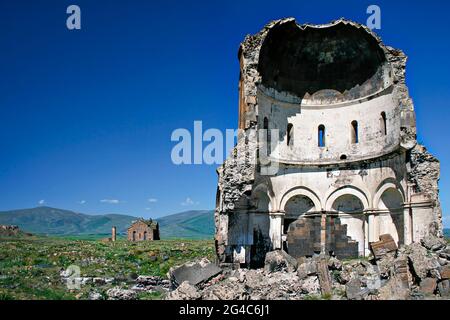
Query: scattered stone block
{"x": 334, "y": 264}
{"x": 279, "y": 260}
{"x": 151, "y": 283}
{"x": 194, "y": 273}
{"x": 445, "y": 272}
{"x": 353, "y": 289}
{"x": 121, "y": 294}
{"x": 417, "y": 256}
{"x": 444, "y": 288}
{"x": 401, "y": 270}
{"x": 431, "y": 242}
{"x": 323, "y": 274}
{"x": 185, "y": 291}
{"x": 308, "y": 268}
{"x": 384, "y": 246}
{"x": 442, "y": 261}
{"x": 393, "y": 289}
{"x": 385, "y": 264}
{"x": 311, "y": 285}
{"x": 373, "y": 278}
{"x": 428, "y": 286}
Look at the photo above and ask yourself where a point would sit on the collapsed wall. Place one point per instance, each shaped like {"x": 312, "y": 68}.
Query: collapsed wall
{"x": 345, "y": 153}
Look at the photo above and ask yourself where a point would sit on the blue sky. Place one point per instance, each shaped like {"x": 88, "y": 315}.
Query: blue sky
{"x": 87, "y": 115}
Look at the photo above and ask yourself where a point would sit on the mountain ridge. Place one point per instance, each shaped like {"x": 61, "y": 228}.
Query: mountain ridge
{"x": 195, "y": 224}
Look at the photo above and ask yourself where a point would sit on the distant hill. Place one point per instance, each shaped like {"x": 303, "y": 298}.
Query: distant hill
{"x": 52, "y": 221}
{"x": 59, "y": 222}
{"x": 447, "y": 233}
{"x": 198, "y": 224}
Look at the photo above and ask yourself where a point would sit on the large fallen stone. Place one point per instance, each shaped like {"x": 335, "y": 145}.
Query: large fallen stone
{"x": 194, "y": 273}
{"x": 151, "y": 283}
{"x": 372, "y": 278}
{"x": 323, "y": 274}
{"x": 385, "y": 245}
{"x": 444, "y": 288}
{"x": 428, "y": 286}
{"x": 390, "y": 265}
{"x": 284, "y": 286}
{"x": 445, "y": 272}
{"x": 394, "y": 289}
{"x": 253, "y": 278}
{"x": 445, "y": 253}
{"x": 308, "y": 268}
{"x": 311, "y": 285}
{"x": 279, "y": 260}
{"x": 343, "y": 277}
{"x": 334, "y": 264}
{"x": 353, "y": 289}
{"x": 386, "y": 264}
{"x": 185, "y": 291}
{"x": 419, "y": 259}
{"x": 121, "y": 294}
{"x": 431, "y": 242}
{"x": 401, "y": 271}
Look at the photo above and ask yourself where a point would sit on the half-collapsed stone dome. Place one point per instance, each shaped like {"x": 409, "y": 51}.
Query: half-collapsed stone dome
{"x": 336, "y": 62}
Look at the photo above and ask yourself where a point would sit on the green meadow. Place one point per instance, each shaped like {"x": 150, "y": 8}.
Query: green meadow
{"x": 30, "y": 267}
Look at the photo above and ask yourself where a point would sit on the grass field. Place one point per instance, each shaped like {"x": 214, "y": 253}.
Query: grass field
{"x": 30, "y": 268}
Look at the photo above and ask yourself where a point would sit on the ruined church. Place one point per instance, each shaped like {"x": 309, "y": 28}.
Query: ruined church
{"x": 326, "y": 159}
{"x": 143, "y": 230}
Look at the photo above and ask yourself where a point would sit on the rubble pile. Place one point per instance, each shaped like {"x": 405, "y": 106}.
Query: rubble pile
{"x": 417, "y": 271}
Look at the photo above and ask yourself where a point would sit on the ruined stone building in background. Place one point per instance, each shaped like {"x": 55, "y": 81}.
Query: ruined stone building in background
{"x": 143, "y": 230}
{"x": 349, "y": 168}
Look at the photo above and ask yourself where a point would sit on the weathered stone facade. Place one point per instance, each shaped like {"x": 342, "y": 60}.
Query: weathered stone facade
{"x": 331, "y": 105}
{"x": 143, "y": 230}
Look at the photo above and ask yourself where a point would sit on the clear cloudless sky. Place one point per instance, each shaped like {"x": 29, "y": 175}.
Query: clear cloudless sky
{"x": 87, "y": 115}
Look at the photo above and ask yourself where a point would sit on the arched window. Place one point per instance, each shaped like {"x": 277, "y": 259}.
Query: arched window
{"x": 145, "y": 235}
{"x": 266, "y": 123}
{"x": 267, "y": 132}
{"x": 134, "y": 235}
{"x": 354, "y": 132}
{"x": 321, "y": 138}
{"x": 383, "y": 127}
{"x": 290, "y": 134}
{"x": 266, "y": 128}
